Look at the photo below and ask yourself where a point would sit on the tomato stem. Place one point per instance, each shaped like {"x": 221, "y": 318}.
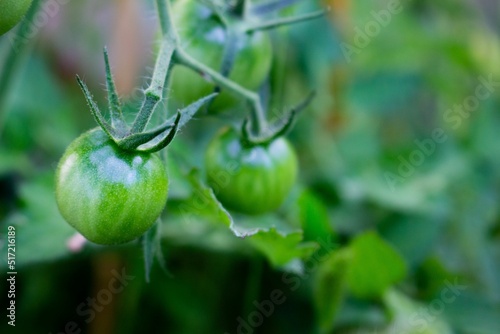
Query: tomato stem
{"x": 172, "y": 49}
{"x": 154, "y": 92}
{"x": 170, "y": 37}
{"x": 165, "y": 18}
{"x": 259, "y": 122}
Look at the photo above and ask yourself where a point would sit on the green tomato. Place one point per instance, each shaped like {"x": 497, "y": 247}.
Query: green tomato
{"x": 109, "y": 195}
{"x": 11, "y": 12}
{"x": 250, "y": 180}
{"x": 204, "y": 38}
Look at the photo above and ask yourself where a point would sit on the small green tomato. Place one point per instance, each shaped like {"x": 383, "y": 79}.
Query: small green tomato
{"x": 251, "y": 180}
{"x": 11, "y": 12}
{"x": 109, "y": 195}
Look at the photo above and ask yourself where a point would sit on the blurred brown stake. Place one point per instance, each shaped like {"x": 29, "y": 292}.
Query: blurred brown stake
{"x": 127, "y": 47}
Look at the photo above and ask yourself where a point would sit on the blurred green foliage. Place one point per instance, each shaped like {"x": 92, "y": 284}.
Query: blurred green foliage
{"x": 351, "y": 251}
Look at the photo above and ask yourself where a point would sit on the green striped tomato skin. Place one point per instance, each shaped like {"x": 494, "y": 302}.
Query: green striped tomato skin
{"x": 250, "y": 180}
{"x": 109, "y": 195}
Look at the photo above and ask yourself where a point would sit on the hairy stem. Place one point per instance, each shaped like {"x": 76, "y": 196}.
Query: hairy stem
{"x": 169, "y": 33}
{"x": 165, "y": 18}
{"x": 154, "y": 93}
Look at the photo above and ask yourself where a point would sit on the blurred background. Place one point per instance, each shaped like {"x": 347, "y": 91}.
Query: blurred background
{"x": 393, "y": 227}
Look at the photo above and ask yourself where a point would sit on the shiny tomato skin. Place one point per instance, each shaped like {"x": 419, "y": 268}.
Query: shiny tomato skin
{"x": 204, "y": 38}
{"x": 109, "y": 195}
{"x": 250, "y": 180}
{"x": 11, "y": 12}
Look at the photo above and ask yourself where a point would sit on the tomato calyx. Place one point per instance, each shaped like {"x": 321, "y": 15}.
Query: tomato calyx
{"x": 134, "y": 138}
{"x": 275, "y": 130}
{"x": 241, "y": 19}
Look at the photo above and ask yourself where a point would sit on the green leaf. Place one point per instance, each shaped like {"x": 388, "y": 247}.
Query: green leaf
{"x": 414, "y": 237}
{"x": 151, "y": 245}
{"x": 313, "y": 216}
{"x": 41, "y": 232}
{"x": 148, "y": 247}
{"x": 280, "y": 242}
{"x": 203, "y": 203}
{"x": 472, "y": 313}
{"x": 280, "y": 248}
{"x": 329, "y": 289}
{"x": 95, "y": 111}
{"x": 375, "y": 266}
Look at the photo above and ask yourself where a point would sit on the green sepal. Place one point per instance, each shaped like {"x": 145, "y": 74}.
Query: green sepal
{"x": 115, "y": 109}
{"x": 151, "y": 247}
{"x": 183, "y": 116}
{"x": 189, "y": 111}
{"x": 276, "y": 130}
{"x": 147, "y": 108}
{"x": 131, "y": 142}
{"x": 156, "y": 145}
{"x": 94, "y": 109}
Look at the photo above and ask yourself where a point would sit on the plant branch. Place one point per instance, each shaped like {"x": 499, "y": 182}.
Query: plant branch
{"x": 258, "y": 117}
{"x": 154, "y": 92}
{"x": 166, "y": 24}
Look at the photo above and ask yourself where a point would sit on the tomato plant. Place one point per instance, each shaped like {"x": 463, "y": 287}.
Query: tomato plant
{"x": 11, "y": 12}
{"x": 109, "y": 185}
{"x": 105, "y": 205}
{"x": 250, "y": 179}
{"x": 204, "y": 37}
{"x": 109, "y": 195}
{"x": 377, "y": 229}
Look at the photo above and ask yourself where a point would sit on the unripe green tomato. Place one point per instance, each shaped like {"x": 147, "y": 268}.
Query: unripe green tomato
{"x": 204, "y": 38}
{"x": 251, "y": 180}
{"x": 11, "y": 12}
{"x": 109, "y": 195}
